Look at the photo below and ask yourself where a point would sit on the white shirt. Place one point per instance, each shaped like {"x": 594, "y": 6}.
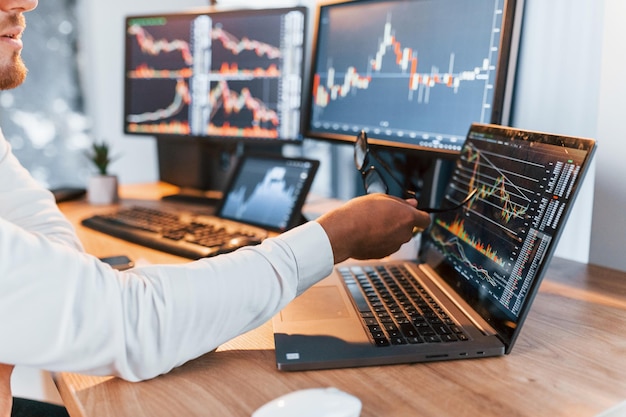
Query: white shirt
{"x": 63, "y": 310}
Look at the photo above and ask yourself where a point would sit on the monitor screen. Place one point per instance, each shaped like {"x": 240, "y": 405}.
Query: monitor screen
{"x": 414, "y": 74}
{"x": 231, "y": 74}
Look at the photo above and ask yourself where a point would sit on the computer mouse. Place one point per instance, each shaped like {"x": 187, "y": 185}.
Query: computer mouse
{"x": 312, "y": 402}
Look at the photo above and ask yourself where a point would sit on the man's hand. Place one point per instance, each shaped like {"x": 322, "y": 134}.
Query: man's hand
{"x": 6, "y": 400}
{"x": 372, "y": 226}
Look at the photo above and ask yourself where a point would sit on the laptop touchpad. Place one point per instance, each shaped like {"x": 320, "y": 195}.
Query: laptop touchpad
{"x": 317, "y": 303}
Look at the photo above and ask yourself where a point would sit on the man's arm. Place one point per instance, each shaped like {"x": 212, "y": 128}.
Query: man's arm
{"x": 64, "y": 310}
{"x": 26, "y": 203}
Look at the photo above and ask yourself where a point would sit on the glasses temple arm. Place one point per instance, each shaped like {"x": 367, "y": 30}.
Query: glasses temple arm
{"x": 456, "y": 206}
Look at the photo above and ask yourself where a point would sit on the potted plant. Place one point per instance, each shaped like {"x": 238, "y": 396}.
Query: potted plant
{"x": 102, "y": 187}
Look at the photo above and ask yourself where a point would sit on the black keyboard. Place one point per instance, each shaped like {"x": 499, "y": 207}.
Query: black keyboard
{"x": 188, "y": 235}
{"x": 396, "y": 309}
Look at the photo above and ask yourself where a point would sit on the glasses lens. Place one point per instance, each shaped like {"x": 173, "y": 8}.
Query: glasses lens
{"x": 360, "y": 150}
{"x": 373, "y": 182}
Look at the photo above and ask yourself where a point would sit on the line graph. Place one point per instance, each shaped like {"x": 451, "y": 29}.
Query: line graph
{"x": 180, "y": 100}
{"x": 236, "y": 45}
{"x": 151, "y": 46}
{"x": 232, "y": 102}
{"x": 500, "y": 237}
{"x": 494, "y": 187}
{"x": 155, "y": 47}
{"x": 226, "y": 74}
{"x": 492, "y": 226}
{"x": 488, "y": 236}
{"x": 222, "y": 99}
{"x": 456, "y": 250}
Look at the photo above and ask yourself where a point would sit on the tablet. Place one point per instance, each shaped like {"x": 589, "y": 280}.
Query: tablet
{"x": 268, "y": 191}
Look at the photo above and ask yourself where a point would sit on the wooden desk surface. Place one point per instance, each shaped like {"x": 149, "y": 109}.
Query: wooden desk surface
{"x": 570, "y": 360}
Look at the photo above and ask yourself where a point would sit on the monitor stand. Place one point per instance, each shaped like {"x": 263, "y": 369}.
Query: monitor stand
{"x": 193, "y": 196}
{"x": 425, "y": 175}
{"x": 201, "y": 167}
{"x": 432, "y": 175}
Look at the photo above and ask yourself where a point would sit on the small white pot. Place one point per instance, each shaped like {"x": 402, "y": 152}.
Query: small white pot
{"x": 102, "y": 189}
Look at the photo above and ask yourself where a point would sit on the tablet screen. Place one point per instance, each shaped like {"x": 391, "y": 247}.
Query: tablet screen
{"x": 268, "y": 191}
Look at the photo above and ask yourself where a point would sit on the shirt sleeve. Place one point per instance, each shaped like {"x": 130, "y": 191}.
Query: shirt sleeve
{"x": 64, "y": 310}
{"x": 27, "y": 204}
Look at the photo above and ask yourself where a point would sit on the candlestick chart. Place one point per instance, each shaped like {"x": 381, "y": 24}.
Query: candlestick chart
{"x": 406, "y": 69}
{"x": 418, "y": 85}
{"x": 499, "y": 237}
{"x": 215, "y": 75}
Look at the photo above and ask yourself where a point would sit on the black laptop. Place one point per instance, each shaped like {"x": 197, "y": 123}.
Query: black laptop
{"x": 478, "y": 271}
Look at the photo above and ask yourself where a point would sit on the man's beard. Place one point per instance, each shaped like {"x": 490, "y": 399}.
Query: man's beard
{"x": 12, "y": 69}
{"x": 13, "y": 74}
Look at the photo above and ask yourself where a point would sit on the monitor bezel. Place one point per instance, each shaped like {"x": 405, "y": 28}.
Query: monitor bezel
{"x": 503, "y": 87}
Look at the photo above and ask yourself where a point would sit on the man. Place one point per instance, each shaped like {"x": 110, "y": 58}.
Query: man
{"x": 63, "y": 310}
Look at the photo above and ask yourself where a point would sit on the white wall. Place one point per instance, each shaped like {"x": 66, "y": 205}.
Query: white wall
{"x": 571, "y": 81}
{"x": 557, "y": 90}
{"x": 608, "y": 233}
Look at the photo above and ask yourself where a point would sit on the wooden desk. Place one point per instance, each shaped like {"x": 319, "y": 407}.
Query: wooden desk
{"x": 570, "y": 360}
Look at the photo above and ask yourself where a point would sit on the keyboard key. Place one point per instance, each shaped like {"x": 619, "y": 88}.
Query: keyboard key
{"x": 381, "y": 341}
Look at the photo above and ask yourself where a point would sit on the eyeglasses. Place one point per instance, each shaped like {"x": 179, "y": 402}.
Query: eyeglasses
{"x": 375, "y": 183}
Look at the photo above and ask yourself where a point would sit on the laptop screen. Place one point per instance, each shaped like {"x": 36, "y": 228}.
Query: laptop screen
{"x": 493, "y": 250}
{"x": 268, "y": 191}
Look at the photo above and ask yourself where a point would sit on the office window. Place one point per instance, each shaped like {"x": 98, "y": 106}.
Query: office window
{"x": 43, "y": 119}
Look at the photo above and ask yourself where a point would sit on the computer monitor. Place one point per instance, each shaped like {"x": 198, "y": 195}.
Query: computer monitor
{"x": 206, "y": 83}
{"x": 414, "y": 74}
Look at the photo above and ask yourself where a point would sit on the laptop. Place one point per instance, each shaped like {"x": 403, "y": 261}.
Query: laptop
{"x": 482, "y": 264}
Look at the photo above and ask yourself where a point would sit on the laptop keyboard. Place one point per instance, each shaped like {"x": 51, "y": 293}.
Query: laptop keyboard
{"x": 396, "y": 309}
{"x": 184, "y": 235}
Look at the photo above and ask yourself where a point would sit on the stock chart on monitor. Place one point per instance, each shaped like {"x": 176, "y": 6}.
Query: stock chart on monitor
{"x": 230, "y": 74}
{"x": 411, "y": 73}
{"x": 525, "y": 184}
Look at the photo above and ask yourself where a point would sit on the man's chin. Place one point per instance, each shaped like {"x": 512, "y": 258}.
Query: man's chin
{"x": 12, "y": 75}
